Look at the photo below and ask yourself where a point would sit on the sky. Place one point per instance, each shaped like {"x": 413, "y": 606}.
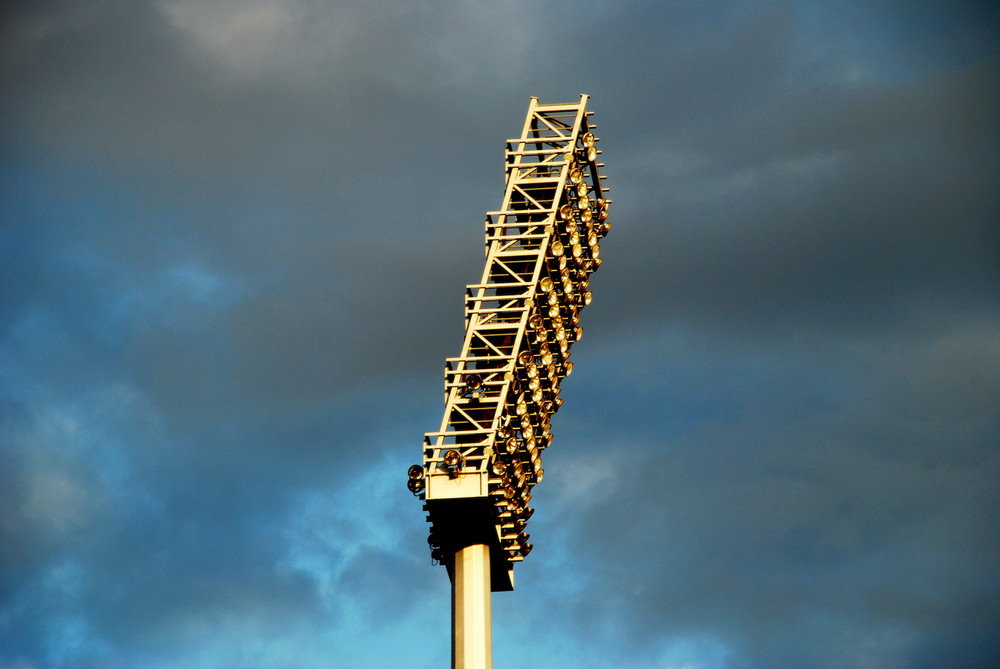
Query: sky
{"x": 234, "y": 242}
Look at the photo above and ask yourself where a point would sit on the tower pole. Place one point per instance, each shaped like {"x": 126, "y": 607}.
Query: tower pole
{"x": 472, "y": 634}
{"x": 501, "y": 392}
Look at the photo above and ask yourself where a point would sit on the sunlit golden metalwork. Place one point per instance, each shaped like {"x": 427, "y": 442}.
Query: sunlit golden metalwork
{"x": 501, "y": 391}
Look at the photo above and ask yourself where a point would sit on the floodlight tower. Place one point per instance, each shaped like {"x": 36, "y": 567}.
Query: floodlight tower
{"x": 521, "y": 319}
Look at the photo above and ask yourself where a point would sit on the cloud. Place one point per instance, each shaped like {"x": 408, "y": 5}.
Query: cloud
{"x": 234, "y": 243}
{"x": 797, "y": 501}
{"x": 244, "y": 37}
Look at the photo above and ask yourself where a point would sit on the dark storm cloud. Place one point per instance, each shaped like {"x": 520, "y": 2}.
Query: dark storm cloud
{"x": 821, "y": 199}
{"x": 816, "y": 514}
{"x": 141, "y": 86}
{"x": 234, "y": 245}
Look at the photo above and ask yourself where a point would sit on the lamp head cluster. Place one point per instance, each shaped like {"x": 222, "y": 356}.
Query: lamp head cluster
{"x": 522, "y": 319}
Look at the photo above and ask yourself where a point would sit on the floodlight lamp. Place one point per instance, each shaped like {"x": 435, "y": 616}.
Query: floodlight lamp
{"x": 566, "y": 211}
{"x": 586, "y": 215}
{"x": 557, "y": 248}
{"x": 583, "y": 201}
{"x": 416, "y": 486}
{"x": 575, "y": 176}
{"x": 433, "y": 540}
{"x": 578, "y": 334}
{"x": 415, "y": 472}
{"x": 452, "y": 459}
{"x": 574, "y": 237}
{"x": 553, "y": 299}
{"x": 526, "y": 548}
{"x": 537, "y": 395}
{"x": 589, "y": 154}
{"x": 588, "y": 139}
{"x": 569, "y": 367}
{"x": 582, "y": 189}
{"x": 546, "y": 357}
{"x": 603, "y": 209}
{"x": 537, "y": 322}
{"x": 472, "y": 383}
{"x": 503, "y": 432}
{"x": 595, "y": 251}
{"x": 498, "y": 468}
{"x": 527, "y": 512}
{"x": 546, "y": 284}
{"x": 526, "y": 359}
{"x": 510, "y": 445}
{"x": 577, "y": 250}
{"x": 539, "y": 475}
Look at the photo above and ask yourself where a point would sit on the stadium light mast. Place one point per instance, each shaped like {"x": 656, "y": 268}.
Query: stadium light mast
{"x": 521, "y": 319}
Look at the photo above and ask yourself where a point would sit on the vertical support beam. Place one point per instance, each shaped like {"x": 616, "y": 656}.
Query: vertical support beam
{"x": 471, "y": 620}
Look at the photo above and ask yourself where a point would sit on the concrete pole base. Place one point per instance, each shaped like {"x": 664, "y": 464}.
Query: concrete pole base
{"x": 472, "y": 635}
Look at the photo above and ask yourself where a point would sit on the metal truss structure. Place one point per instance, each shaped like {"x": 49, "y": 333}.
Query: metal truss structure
{"x": 521, "y": 320}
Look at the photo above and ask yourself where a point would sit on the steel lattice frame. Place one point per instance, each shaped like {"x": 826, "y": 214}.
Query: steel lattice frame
{"x": 521, "y": 320}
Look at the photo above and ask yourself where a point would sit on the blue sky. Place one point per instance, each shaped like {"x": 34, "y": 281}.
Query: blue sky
{"x": 234, "y": 242}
